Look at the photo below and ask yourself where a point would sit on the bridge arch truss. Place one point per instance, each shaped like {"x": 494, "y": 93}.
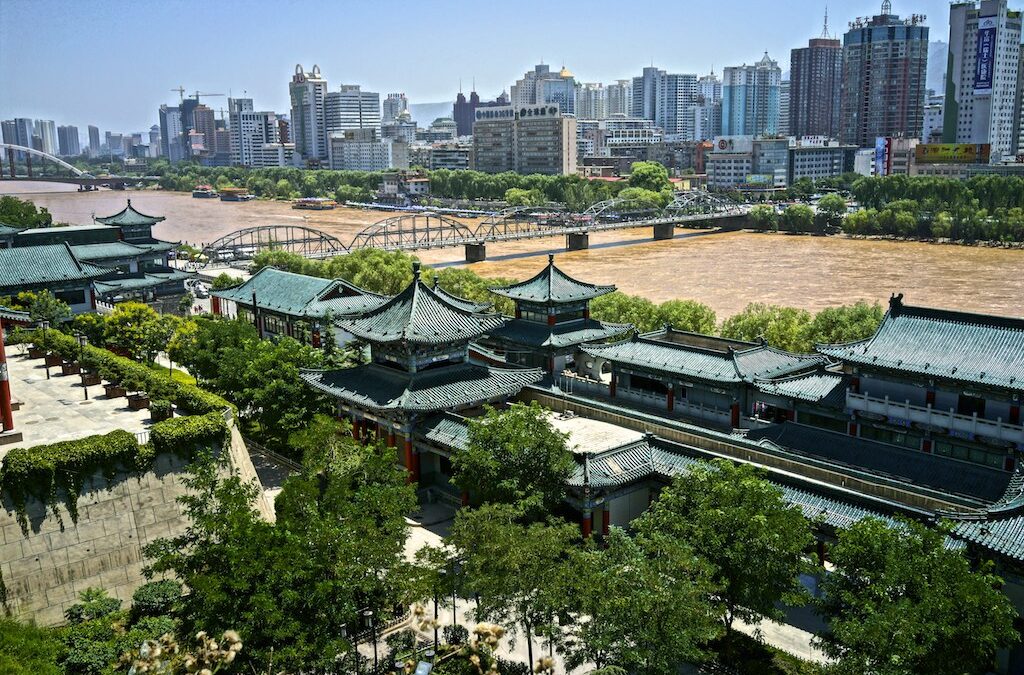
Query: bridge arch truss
{"x": 622, "y": 210}
{"x": 415, "y": 231}
{"x": 11, "y": 148}
{"x": 246, "y": 243}
{"x": 523, "y": 222}
{"x": 695, "y": 202}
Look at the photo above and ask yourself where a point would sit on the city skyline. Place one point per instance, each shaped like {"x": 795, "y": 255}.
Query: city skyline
{"x": 101, "y": 96}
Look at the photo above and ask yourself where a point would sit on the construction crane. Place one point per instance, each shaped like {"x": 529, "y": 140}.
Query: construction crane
{"x": 203, "y": 93}
{"x": 181, "y": 92}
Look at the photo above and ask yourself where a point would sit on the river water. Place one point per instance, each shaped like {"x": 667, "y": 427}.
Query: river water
{"x": 726, "y": 270}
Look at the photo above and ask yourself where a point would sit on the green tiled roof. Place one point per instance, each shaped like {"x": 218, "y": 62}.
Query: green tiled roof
{"x": 819, "y": 387}
{"x": 8, "y": 314}
{"x": 534, "y": 334}
{"x": 108, "y": 251}
{"x": 9, "y": 229}
{"x": 447, "y": 430}
{"x": 420, "y": 315}
{"x": 299, "y": 295}
{"x": 468, "y": 305}
{"x": 137, "y": 282}
{"x": 380, "y": 388}
{"x": 552, "y": 286}
{"x": 45, "y": 264}
{"x": 970, "y": 348}
{"x": 730, "y": 366}
{"x": 130, "y": 216}
{"x": 155, "y": 246}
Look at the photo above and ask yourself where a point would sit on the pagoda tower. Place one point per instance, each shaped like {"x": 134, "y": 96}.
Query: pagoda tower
{"x": 552, "y": 320}
{"x": 419, "y": 368}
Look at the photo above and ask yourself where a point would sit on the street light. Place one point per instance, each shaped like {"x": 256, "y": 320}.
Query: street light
{"x": 82, "y": 341}
{"x": 441, "y": 574}
{"x": 368, "y": 615}
{"x": 46, "y": 326}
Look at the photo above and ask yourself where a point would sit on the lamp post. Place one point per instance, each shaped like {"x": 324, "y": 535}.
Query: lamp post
{"x": 368, "y": 615}
{"x": 441, "y": 575}
{"x": 82, "y": 340}
{"x": 46, "y": 326}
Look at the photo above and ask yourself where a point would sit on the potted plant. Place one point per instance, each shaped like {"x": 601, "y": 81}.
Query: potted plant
{"x": 53, "y": 359}
{"x": 134, "y": 383}
{"x": 160, "y": 409}
{"x": 114, "y": 390}
{"x": 90, "y": 378}
{"x": 36, "y": 352}
{"x": 70, "y": 368}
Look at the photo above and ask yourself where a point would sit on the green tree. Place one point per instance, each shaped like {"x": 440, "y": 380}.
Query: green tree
{"x": 514, "y": 456}
{"x": 739, "y": 523}
{"x": 618, "y": 307}
{"x": 23, "y": 213}
{"x": 640, "y": 605}
{"x": 782, "y": 327}
{"x": 901, "y": 602}
{"x": 517, "y": 570}
{"x": 831, "y": 211}
{"x": 688, "y": 315}
{"x": 185, "y": 303}
{"x": 26, "y": 649}
{"x": 224, "y": 281}
{"x": 137, "y": 329}
{"x": 847, "y": 323}
{"x": 797, "y": 218}
{"x": 764, "y": 217}
{"x": 44, "y": 306}
{"x": 520, "y": 197}
{"x": 203, "y": 345}
{"x": 650, "y": 176}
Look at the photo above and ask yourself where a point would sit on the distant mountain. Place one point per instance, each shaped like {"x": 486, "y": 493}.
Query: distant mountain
{"x": 425, "y": 113}
{"x": 938, "y": 56}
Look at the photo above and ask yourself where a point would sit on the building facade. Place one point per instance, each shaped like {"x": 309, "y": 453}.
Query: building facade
{"x": 535, "y": 139}
{"x": 620, "y": 98}
{"x": 351, "y": 108}
{"x": 815, "y": 90}
{"x": 365, "y": 150}
{"x": 751, "y": 99}
{"x": 308, "y": 115}
{"x": 885, "y": 61}
{"x": 68, "y": 142}
{"x": 170, "y": 134}
{"x": 541, "y": 86}
{"x": 668, "y": 99}
{"x": 981, "y": 83}
{"x": 394, "y": 105}
{"x": 748, "y": 163}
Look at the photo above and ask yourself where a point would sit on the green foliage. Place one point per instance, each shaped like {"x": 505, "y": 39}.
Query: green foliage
{"x": 618, "y": 307}
{"x": 740, "y": 524}
{"x": 650, "y": 176}
{"x": 514, "y": 457}
{"x": 94, "y": 604}
{"x": 185, "y": 435}
{"x": 156, "y": 598}
{"x": 520, "y": 197}
{"x": 782, "y": 327}
{"x": 138, "y": 330}
{"x": 466, "y": 284}
{"x": 224, "y": 281}
{"x": 830, "y": 214}
{"x": 26, "y": 649}
{"x": 688, "y": 315}
{"x": 797, "y": 218}
{"x": 764, "y": 217}
{"x": 900, "y": 602}
{"x": 44, "y": 306}
{"x": 640, "y": 605}
{"x": 93, "y": 326}
{"x": 847, "y": 323}
{"x": 23, "y": 213}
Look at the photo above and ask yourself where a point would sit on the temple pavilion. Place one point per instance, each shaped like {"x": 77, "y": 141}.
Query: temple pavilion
{"x": 552, "y": 320}
{"x": 419, "y": 369}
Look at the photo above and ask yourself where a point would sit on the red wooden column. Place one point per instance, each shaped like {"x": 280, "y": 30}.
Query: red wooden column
{"x": 821, "y": 553}
{"x": 215, "y": 305}
{"x": 587, "y": 524}
{"x": 734, "y": 415}
{"x": 411, "y": 461}
{"x": 671, "y": 397}
{"x": 851, "y": 430}
{"x": 926, "y": 445}
{"x": 611, "y": 386}
{"x": 1014, "y": 414}
{"x": 355, "y": 428}
{"x": 6, "y": 411}
{"x": 606, "y": 519}
{"x": 929, "y": 398}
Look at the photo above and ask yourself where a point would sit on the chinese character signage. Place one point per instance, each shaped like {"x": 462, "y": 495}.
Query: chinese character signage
{"x": 984, "y": 64}
{"x": 952, "y": 153}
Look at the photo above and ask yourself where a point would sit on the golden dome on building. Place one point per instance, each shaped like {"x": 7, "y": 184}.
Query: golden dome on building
{"x": 565, "y": 72}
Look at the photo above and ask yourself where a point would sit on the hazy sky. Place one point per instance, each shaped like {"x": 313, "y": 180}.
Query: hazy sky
{"x": 113, "y": 63}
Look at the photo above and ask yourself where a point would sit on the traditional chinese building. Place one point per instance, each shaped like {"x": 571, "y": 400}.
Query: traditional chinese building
{"x": 687, "y": 374}
{"x": 135, "y": 226}
{"x": 283, "y": 303}
{"x": 552, "y": 320}
{"x": 419, "y": 369}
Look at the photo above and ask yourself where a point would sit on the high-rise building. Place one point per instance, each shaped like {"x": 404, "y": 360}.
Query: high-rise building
{"x": 620, "y": 98}
{"x": 205, "y": 123}
{"x": 981, "y": 85}
{"x": 885, "y": 63}
{"x": 708, "y": 113}
{"x": 364, "y": 150}
{"x": 171, "y": 139}
{"x": 10, "y": 135}
{"x": 46, "y": 130}
{"x": 463, "y": 111}
{"x": 250, "y": 131}
{"x": 68, "y": 143}
{"x": 94, "y": 141}
{"x": 667, "y": 98}
{"x": 540, "y": 141}
{"x": 541, "y": 86}
{"x": 351, "y": 108}
{"x": 308, "y": 115}
{"x": 115, "y": 144}
{"x": 24, "y": 129}
{"x": 155, "y": 146}
{"x": 784, "y": 88}
{"x": 394, "y": 105}
{"x": 750, "y": 99}
{"x": 931, "y": 131}
{"x": 816, "y": 78}
{"x": 591, "y": 101}
{"x": 1018, "y": 122}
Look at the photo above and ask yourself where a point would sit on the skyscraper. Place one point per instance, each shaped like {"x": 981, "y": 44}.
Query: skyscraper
{"x": 155, "y": 147}
{"x": 68, "y": 143}
{"x": 464, "y": 111}
{"x": 981, "y": 85}
{"x": 816, "y": 78}
{"x": 205, "y": 123}
{"x": 708, "y": 113}
{"x": 591, "y": 101}
{"x": 543, "y": 86}
{"x": 750, "y": 99}
{"x": 24, "y": 129}
{"x": 46, "y": 130}
{"x": 9, "y": 133}
{"x": 394, "y": 105}
{"x": 784, "y": 108}
{"x": 250, "y": 131}
{"x": 170, "y": 134}
{"x": 667, "y": 98}
{"x": 620, "y": 98}
{"x": 351, "y": 108}
{"x": 94, "y": 141}
{"x": 308, "y": 120}
{"x": 885, "y": 63}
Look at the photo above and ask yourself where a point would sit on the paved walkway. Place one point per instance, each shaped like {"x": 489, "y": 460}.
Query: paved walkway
{"x": 56, "y": 410}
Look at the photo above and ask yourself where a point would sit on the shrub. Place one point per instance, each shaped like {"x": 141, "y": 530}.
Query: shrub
{"x": 455, "y": 635}
{"x": 155, "y": 598}
{"x": 183, "y": 435}
{"x": 95, "y": 604}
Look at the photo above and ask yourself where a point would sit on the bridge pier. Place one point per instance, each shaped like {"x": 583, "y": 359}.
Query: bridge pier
{"x": 664, "y": 231}
{"x": 577, "y": 241}
{"x": 28, "y": 164}
{"x": 10, "y": 158}
{"x": 476, "y": 253}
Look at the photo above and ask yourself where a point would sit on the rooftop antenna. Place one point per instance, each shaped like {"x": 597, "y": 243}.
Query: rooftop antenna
{"x": 460, "y": 85}
{"x": 824, "y": 31}
{"x": 886, "y": 7}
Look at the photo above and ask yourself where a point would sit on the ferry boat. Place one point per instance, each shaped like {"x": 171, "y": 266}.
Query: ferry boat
{"x": 314, "y": 203}
{"x": 235, "y": 195}
{"x": 204, "y": 192}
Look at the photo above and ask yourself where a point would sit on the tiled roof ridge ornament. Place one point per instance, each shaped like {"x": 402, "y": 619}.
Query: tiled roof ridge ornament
{"x": 895, "y": 303}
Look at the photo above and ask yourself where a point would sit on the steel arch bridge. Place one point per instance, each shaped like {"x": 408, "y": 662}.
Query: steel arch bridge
{"x": 414, "y": 231}
{"x": 245, "y": 244}
{"x": 11, "y": 148}
{"x": 700, "y": 202}
{"x": 523, "y": 222}
{"x": 622, "y": 209}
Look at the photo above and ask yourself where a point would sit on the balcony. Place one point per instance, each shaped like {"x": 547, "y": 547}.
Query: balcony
{"x": 962, "y": 426}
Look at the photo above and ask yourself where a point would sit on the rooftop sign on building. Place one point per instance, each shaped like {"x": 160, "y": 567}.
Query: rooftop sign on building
{"x": 952, "y": 153}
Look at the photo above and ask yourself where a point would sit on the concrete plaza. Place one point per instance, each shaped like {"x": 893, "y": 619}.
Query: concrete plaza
{"x": 55, "y": 409}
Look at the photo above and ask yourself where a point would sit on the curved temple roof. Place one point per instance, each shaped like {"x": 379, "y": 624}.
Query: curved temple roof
{"x": 129, "y": 216}
{"x": 552, "y": 286}
{"x": 421, "y": 315}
